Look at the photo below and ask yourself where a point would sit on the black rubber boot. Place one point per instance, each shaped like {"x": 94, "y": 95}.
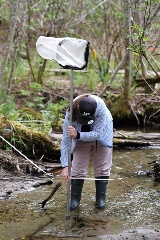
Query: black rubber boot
{"x": 76, "y": 190}
{"x": 101, "y": 186}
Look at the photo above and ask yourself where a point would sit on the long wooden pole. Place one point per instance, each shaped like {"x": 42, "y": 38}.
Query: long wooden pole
{"x": 69, "y": 149}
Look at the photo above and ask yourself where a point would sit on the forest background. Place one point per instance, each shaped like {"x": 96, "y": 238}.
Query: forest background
{"x": 123, "y": 66}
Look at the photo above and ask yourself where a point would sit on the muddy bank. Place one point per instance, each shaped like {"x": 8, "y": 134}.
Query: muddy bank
{"x": 12, "y": 185}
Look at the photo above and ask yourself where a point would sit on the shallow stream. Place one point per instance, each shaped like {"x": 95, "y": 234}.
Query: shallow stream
{"x": 132, "y": 202}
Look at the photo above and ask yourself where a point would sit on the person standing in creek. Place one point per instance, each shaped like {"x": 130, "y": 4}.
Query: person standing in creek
{"x": 91, "y": 132}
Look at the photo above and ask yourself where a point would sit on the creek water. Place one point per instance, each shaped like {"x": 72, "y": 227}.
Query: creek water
{"x": 132, "y": 202}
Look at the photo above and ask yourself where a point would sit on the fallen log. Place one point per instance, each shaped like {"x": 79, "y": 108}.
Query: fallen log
{"x": 129, "y": 143}
{"x": 128, "y": 139}
{"x": 136, "y": 139}
{"x": 31, "y": 142}
{"x": 141, "y": 82}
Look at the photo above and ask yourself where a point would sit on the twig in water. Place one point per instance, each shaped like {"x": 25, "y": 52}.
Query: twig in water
{"x": 120, "y": 133}
{"x": 51, "y": 194}
{"x": 125, "y": 183}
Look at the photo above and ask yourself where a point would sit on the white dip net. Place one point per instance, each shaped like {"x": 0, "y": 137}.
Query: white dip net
{"x": 68, "y": 52}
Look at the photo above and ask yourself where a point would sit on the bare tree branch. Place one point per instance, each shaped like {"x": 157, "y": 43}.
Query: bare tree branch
{"x": 14, "y": 7}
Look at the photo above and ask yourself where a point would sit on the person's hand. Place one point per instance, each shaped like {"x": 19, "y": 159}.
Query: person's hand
{"x": 72, "y": 132}
{"x": 65, "y": 174}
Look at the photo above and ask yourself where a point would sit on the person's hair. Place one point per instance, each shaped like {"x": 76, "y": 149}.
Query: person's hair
{"x": 75, "y": 106}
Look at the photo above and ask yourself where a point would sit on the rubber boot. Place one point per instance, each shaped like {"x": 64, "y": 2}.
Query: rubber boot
{"x": 76, "y": 190}
{"x": 101, "y": 186}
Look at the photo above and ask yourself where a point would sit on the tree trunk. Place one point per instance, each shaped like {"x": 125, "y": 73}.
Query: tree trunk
{"x": 139, "y": 21}
{"x": 112, "y": 77}
{"x": 127, "y": 84}
{"x": 14, "y": 7}
{"x": 16, "y": 43}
